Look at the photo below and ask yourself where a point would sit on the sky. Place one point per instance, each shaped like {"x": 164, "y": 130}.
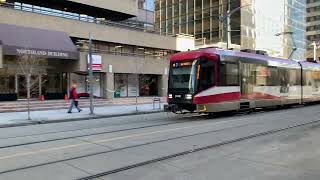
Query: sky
{"x": 150, "y": 5}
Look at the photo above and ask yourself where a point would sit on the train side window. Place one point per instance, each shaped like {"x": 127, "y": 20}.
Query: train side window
{"x": 228, "y": 74}
{"x": 294, "y": 77}
{"x": 307, "y": 78}
{"x": 261, "y": 74}
{"x": 284, "y": 77}
{"x": 272, "y": 78}
{"x": 206, "y": 79}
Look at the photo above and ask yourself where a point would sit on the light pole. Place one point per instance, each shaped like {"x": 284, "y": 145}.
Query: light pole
{"x": 294, "y": 47}
{"x": 227, "y": 18}
{"x": 90, "y": 71}
{"x": 137, "y": 86}
{"x": 91, "y": 75}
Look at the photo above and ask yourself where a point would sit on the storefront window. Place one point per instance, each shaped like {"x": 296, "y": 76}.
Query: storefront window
{"x": 96, "y": 85}
{"x": 121, "y": 85}
{"x": 83, "y": 85}
{"x": 129, "y": 85}
{"x": 133, "y": 84}
{"x": 7, "y": 84}
{"x": 148, "y": 85}
{"x": 54, "y": 85}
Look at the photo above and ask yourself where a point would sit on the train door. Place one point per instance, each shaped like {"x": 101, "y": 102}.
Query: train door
{"x": 207, "y": 74}
{"x": 247, "y": 74}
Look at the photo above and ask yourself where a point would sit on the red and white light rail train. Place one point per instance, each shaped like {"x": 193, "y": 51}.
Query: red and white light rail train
{"x": 214, "y": 80}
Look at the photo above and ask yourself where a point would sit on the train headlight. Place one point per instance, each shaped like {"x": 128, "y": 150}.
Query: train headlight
{"x": 188, "y": 96}
{"x": 170, "y": 96}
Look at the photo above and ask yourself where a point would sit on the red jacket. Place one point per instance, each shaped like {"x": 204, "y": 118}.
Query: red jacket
{"x": 73, "y": 94}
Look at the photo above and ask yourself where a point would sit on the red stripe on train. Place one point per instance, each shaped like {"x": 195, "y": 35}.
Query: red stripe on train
{"x": 233, "y": 96}
{"x": 258, "y": 95}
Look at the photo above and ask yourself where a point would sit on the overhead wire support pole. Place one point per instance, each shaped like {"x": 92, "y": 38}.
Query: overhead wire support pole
{"x": 294, "y": 46}
{"x": 91, "y": 75}
{"x": 227, "y": 19}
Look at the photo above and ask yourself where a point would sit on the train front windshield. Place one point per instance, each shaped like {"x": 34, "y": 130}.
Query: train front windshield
{"x": 182, "y": 76}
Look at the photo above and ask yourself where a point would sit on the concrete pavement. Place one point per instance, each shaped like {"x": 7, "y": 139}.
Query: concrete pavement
{"x": 79, "y": 149}
{"x": 291, "y": 155}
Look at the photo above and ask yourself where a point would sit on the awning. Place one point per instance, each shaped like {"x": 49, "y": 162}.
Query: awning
{"x": 18, "y": 40}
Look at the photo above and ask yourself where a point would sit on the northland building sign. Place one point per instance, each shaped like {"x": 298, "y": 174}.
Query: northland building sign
{"x": 19, "y": 40}
{"x": 54, "y": 54}
{"x": 42, "y": 53}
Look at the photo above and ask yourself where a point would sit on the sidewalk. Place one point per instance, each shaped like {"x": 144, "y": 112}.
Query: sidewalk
{"x": 21, "y": 105}
{"x": 10, "y": 119}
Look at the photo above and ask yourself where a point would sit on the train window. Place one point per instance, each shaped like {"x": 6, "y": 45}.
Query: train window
{"x": 261, "y": 75}
{"x": 316, "y": 79}
{"x": 266, "y": 76}
{"x": 284, "y": 77}
{"x": 294, "y": 77}
{"x": 207, "y": 70}
{"x": 272, "y": 78}
{"x": 307, "y": 78}
{"x": 228, "y": 74}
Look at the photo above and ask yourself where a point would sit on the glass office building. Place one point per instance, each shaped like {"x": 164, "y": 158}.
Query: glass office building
{"x": 196, "y": 17}
{"x": 275, "y": 26}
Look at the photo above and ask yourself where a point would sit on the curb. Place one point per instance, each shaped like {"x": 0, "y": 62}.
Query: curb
{"x": 77, "y": 119}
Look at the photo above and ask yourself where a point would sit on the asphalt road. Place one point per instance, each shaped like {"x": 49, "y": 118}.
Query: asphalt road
{"x": 166, "y": 146}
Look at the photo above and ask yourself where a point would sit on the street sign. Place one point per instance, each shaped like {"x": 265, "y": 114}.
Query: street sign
{"x": 96, "y": 62}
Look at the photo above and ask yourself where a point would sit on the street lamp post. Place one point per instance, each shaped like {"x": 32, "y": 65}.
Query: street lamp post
{"x": 90, "y": 75}
{"x": 90, "y": 70}
{"x": 227, "y": 18}
{"x": 137, "y": 86}
{"x": 294, "y": 48}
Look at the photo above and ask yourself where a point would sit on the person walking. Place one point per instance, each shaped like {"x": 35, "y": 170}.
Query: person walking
{"x": 74, "y": 99}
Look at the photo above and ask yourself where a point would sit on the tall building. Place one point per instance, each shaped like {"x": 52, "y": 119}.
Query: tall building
{"x": 275, "y": 26}
{"x": 313, "y": 26}
{"x": 129, "y": 57}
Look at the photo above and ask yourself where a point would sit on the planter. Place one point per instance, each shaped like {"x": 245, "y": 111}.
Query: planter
{"x": 8, "y": 97}
{"x": 53, "y": 96}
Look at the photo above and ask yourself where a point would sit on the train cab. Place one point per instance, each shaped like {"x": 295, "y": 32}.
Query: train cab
{"x": 190, "y": 73}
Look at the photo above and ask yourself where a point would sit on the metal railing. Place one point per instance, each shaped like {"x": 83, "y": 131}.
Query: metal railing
{"x": 129, "y": 24}
{"x": 94, "y": 50}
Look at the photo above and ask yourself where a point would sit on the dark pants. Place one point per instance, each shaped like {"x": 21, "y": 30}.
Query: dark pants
{"x": 73, "y": 104}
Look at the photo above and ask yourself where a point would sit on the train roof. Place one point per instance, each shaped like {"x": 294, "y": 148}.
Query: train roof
{"x": 214, "y": 52}
{"x": 267, "y": 60}
{"x": 310, "y": 65}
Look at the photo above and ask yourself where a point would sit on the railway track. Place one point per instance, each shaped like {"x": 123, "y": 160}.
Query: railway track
{"x": 153, "y": 142}
{"x": 86, "y": 135}
{"x": 119, "y": 149}
{"x": 165, "y": 157}
{"x": 179, "y": 121}
{"x": 273, "y": 131}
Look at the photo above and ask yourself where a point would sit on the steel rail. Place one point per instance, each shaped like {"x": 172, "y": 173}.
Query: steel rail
{"x": 195, "y": 150}
{"x": 163, "y": 140}
{"x": 119, "y": 149}
{"x": 90, "y": 134}
{"x": 113, "y": 131}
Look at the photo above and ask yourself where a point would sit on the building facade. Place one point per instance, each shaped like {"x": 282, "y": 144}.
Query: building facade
{"x": 275, "y": 26}
{"x": 49, "y": 40}
{"x": 313, "y": 27}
